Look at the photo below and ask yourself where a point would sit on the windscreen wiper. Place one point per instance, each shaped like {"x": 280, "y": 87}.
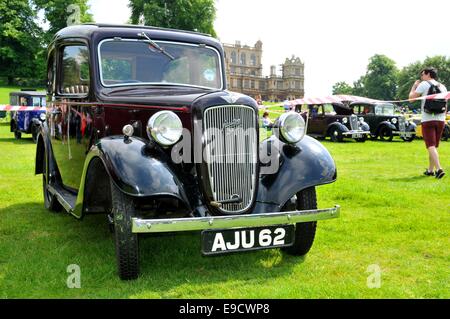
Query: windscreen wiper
{"x": 155, "y": 45}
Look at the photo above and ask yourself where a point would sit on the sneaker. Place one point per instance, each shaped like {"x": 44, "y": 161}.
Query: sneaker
{"x": 440, "y": 173}
{"x": 428, "y": 173}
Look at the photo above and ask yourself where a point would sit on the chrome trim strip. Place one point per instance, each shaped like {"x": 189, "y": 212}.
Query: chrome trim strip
{"x": 236, "y": 221}
{"x": 355, "y": 132}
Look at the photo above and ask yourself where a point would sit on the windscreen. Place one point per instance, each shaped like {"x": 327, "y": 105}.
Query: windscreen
{"x": 138, "y": 62}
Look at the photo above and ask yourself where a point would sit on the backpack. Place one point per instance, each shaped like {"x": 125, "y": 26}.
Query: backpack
{"x": 437, "y": 106}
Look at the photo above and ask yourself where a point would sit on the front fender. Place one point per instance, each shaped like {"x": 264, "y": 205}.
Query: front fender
{"x": 340, "y": 126}
{"x": 305, "y": 164}
{"x": 386, "y": 123}
{"x": 411, "y": 127}
{"x": 137, "y": 169}
{"x": 365, "y": 127}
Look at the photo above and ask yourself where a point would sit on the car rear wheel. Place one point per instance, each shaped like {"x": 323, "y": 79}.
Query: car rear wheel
{"x": 336, "y": 135}
{"x": 304, "y": 232}
{"x": 127, "y": 243}
{"x": 50, "y": 201}
{"x": 34, "y": 132}
{"x": 386, "y": 134}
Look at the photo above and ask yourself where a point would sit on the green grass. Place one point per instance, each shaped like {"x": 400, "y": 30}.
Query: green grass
{"x": 391, "y": 216}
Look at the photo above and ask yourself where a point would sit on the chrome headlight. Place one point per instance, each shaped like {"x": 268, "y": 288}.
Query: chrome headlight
{"x": 344, "y": 120}
{"x": 361, "y": 119}
{"x": 394, "y": 120}
{"x": 292, "y": 127}
{"x": 42, "y": 117}
{"x": 165, "y": 127}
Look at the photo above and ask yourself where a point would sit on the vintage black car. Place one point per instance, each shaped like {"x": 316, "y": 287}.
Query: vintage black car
{"x": 334, "y": 120}
{"x": 141, "y": 128}
{"x": 383, "y": 122}
{"x": 27, "y": 122}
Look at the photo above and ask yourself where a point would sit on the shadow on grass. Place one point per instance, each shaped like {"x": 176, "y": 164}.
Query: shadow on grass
{"x": 414, "y": 178}
{"x": 167, "y": 262}
{"x": 23, "y": 140}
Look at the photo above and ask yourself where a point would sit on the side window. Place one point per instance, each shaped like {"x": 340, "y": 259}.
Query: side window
{"x": 36, "y": 101}
{"x": 329, "y": 109}
{"x": 14, "y": 101}
{"x": 75, "y": 70}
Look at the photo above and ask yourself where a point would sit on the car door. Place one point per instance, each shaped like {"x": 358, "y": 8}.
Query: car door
{"x": 316, "y": 120}
{"x": 71, "y": 124}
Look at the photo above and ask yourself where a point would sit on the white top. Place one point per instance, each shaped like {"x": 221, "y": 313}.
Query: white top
{"x": 423, "y": 90}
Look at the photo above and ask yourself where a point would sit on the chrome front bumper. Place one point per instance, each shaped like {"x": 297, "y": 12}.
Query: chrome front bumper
{"x": 235, "y": 221}
{"x": 405, "y": 134}
{"x": 356, "y": 134}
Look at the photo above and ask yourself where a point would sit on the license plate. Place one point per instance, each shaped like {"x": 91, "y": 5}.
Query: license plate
{"x": 242, "y": 239}
{"x": 358, "y": 135}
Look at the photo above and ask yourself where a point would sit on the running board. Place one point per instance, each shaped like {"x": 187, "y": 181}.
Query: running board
{"x": 65, "y": 198}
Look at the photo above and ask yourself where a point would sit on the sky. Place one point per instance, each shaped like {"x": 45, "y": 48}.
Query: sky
{"x": 334, "y": 38}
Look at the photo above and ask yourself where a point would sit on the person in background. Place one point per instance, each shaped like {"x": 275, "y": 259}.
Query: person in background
{"x": 432, "y": 124}
{"x": 287, "y": 105}
{"x": 266, "y": 122}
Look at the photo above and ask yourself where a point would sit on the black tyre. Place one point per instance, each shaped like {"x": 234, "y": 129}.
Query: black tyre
{"x": 127, "y": 243}
{"x": 34, "y": 132}
{"x": 50, "y": 201}
{"x": 17, "y": 135}
{"x": 408, "y": 139}
{"x": 304, "y": 232}
{"x": 336, "y": 135}
{"x": 446, "y": 133}
{"x": 386, "y": 134}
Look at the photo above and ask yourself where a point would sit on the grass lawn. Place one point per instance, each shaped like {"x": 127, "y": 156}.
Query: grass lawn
{"x": 391, "y": 217}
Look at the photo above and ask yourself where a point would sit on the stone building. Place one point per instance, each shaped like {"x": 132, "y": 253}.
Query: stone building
{"x": 244, "y": 74}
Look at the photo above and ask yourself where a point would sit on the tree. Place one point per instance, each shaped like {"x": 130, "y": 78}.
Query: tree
{"x": 19, "y": 40}
{"x": 410, "y": 73}
{"x": 61, "y": 13}
{"x": 380, "y": 81}
{"x": 191, "y": 15}
{"x": 358, "y": 87}
{"x": 342, "y": 88}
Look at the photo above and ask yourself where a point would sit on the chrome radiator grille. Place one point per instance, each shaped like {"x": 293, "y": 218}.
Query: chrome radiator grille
{"x": 354, "y": 125}
{"x": 230, "y": 151}
{"x": 401, "y": 124}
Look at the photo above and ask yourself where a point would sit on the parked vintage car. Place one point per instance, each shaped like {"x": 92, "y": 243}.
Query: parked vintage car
{"x": 417, "y": 118}
{"x": 26, "y": 122}
{"x": 334, "y": 120}
{"x": 383, "y": 122}
{"x": 142, "y": 129}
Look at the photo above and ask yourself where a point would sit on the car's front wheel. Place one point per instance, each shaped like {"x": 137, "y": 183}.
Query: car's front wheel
{"x": 34, "y": 132}
{"x": 408, "y": 139}
{"x": 304, "y": 232}
{"x": 446, "y": 133}
{"x": 386, "y": 134}
{"x": 336, "y": 135}
{"x": 127, "y": 242}
{"x": 17, "y": 135}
